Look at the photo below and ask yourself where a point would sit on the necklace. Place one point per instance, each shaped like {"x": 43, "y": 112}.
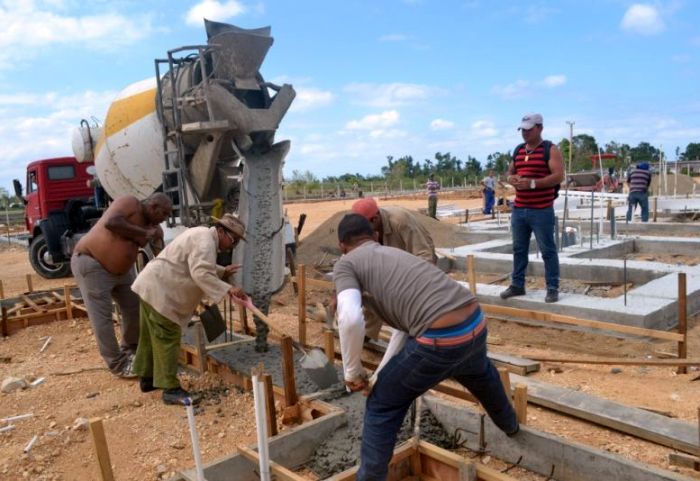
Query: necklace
{"x": 530, "y": 151}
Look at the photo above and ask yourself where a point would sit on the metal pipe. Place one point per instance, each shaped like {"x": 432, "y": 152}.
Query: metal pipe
{"x": 261, "y": 422}
{"x": 592, "y": 214}
{"x": 624, "y": 277}
{"x": 196, "y": 451}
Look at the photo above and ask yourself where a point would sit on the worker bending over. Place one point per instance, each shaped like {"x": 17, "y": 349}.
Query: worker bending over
{"x": 170, "y": 287}
{"x": 439, "y": 332}
{"x": 103, "y": 266}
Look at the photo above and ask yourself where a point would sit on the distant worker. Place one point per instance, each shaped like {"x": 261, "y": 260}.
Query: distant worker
{"x": 395, "y": 227}
{"x": 489, "y": 183}
{"x": 638, "y": 182}
{"x": 432, "y": 187}
{"x": 102, "y": 264}
{"x": 536, "y": 173}
{"x": 439, "y": 332}
{"x": 170, "y": 287}
{"x": 610, "y": 182}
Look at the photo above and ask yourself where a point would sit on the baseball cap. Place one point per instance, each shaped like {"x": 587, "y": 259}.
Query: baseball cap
{"x": 529, "y": 121}
{"x": 366, "y": 207}
{"x": 232, "y": 224}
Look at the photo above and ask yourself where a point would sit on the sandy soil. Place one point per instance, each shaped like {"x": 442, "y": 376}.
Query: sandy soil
{"x": 149, "y": 441}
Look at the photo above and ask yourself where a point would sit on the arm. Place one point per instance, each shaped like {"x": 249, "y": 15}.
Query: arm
{"x": 201, "y": 263}
{"x": 351, "y": 328}
{"x": 396, "y": 343}
{"x": 120, "y": 220}
{"x": 556, "y": 168}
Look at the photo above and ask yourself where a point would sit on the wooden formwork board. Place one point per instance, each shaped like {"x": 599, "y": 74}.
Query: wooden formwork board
{"x": 40, "y": 307}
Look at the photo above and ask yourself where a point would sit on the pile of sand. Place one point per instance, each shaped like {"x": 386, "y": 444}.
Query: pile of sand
{"x": 684, "y": 185}
{"x": 321, "y": 246}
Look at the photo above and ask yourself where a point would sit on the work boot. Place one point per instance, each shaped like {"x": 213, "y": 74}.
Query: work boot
{"x": 513, "y": 291}
{"x": 514, "y": 432}
{"x": 146, "y": 384}
{"x": 261, "y": 347}
{"x": 552, "y": 295}
{"x": 178, "y": 396}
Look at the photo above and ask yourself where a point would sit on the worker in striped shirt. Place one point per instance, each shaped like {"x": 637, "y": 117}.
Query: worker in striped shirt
{"x": 638, "y": 182}
{"x": 432, "y": 186}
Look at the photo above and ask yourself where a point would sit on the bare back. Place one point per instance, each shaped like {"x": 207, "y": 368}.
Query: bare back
{"x": 117, "y": 253}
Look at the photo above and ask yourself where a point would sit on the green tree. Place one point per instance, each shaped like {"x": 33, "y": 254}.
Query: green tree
{"x": 644, "y": 152}
{"x": 692, "y": 152}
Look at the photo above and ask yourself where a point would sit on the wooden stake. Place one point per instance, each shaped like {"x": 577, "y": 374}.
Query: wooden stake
{"x": 290, "y": 388}
{"x": 655, "y": 206}
{"x": 101, "y": 451}
{"x": 271, "y": 411}
{"x": 30, "y": 287}
{"x": 2, "y": 290}
{"x": 243, "y": 317}
{"x": 471, "y": 273}
{"x": 329, "y": 344}
{"x": 301, "y": 283}
{"x": 201, "y": 347}
{"x": 4, "y": 327}
{"x": 520, "y": 402}
{"x": 69, "y": 302}
{"x": 505, "y": 379}
{"x": 682, "y": 321}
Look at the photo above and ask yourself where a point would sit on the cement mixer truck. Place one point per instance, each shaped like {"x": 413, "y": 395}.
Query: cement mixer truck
{"x": 201, "y": 131}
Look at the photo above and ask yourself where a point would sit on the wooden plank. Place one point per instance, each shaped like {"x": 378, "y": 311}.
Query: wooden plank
{"x": 561, "y": 319}
{"x": 485, "y": 473}
{"x": 442, "y": 455}
{"x": 682, "y": 321}
{"x": 302, "y": 303}
{"x": 201, "y": 347}
{"x": 642, "y": 424}
{"x": 281, "y": 473}
{"x": 30, "y": 286}
{"x": 4, "y": 327}
{"x": 314, "y": 282}
{"x": 32, "y": 304}
{"x": 684, "y": 460}
{"x": 221, "y": 345}
{"x": 520, "y": 402}
{"x": 471, "y": 273}
{"x": 516, "y": 365}
{"x": 99, "y": 442}
{"x": 620, "y": 361}
{"x": 329, "y": 343}
{"x": 2, "y": 290}
{"x": 270, "y": 400}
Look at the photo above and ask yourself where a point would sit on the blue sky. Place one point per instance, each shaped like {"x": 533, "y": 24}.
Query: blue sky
{"x": 373, "y": 78}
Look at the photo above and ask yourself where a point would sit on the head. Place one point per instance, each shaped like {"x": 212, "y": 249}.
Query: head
{"x": 531, "y": 128}
{"x": 611, "y": 170}
{"x": 157, "y": 207}
{"x": 643, "y": 166}
{"x": 230, "y": 230}
{"x": 368, "y": 209}
{"x": 490, "y": 172}
{"x": 354, "y": 230}
{"x": 431, "y": 176}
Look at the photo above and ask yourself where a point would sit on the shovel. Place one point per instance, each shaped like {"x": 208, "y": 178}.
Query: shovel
{"x": 314, "y": 362}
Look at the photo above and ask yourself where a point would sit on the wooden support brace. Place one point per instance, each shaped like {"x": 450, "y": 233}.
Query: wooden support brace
{"x": 270, "y": 400}
{"x": 30, "y": 287}
{"x": 4, "y": 327}
{"x": 471, "y": 273}
{"x": 684, "y": 460}
{"x": 243, "y": 317}
{"x": 520, "y": 402}
{"x": 620, "y": 361}
{"x": 201, "y": 347}
{"x": 329, "y": 343}
{"x": 69, "y": 302}
{"x": 682, "y": 321}
{"x": 221, "y": 345}
{"x": 301, "y": 283}
{"x": 32, "y": 304}
{"x": 99, "y": 441}
{"x": 656, "y": 201}
{"x": 2, "y": 290}
{"x": 281, "y": 473}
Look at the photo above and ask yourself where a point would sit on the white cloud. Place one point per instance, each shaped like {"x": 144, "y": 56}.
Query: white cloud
{"x": 554, "y": 80}
{"x": 393, "y": 37}
{"x": 375, "y": 121}
{"x": 387, "y": 134}
{"x": 517, "y": 89}
{"x": 389, "y": 95}
{"x": 213, "y": 10}
{"x": 642, "y": 19}
{"x": 441, "y": 124}
{"x": 311, "y": 98}
{"x": 484, "y": 129}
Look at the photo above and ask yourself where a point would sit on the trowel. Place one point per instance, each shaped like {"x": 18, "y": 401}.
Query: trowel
{"x": 313, "y": 361}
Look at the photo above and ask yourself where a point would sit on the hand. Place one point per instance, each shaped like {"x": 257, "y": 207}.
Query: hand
{"x": 153, "y": 233}
{"x": 513, "y": 179}
{"x": 359, "y": 384}
{"x": 237, "y": 294}
{"x": 522, "y": 183}
{"x": 231, "y": 269}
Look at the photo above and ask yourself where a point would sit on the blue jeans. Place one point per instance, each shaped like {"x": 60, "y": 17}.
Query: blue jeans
{"x": 409, "y": 374}
{"x": 489, "y": 200}
{"x": 641, "y": 198}
{"x": 540, "y": 221}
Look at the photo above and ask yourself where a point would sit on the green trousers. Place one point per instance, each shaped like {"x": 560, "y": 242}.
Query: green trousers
{"x": 158, "y": 348}
{"x": 432, "y": 207}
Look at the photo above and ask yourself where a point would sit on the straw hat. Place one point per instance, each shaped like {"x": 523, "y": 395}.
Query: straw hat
{"x": 232, "y": 224}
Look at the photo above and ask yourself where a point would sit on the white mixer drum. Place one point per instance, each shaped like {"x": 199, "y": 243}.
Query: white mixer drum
{"x": 85, "y": 140}
{"x": 129, "y": 156}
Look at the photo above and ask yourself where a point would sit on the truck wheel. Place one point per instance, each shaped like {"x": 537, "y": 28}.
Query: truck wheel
{"x": 45, "y": 269}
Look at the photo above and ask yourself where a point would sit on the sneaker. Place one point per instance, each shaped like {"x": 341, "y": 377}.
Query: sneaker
{"x": 513, "y": 291}
{"x": 178, "y": 396}
{"x": 127, "y": 372}
{"x": 552, "y": 295}
{"x": 146, "y": 384}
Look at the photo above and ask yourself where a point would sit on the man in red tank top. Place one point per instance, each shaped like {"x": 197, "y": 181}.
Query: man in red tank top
{"x": 536, "y": 177}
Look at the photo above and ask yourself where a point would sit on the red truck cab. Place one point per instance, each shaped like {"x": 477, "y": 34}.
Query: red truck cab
{"x": 58, "y": 196}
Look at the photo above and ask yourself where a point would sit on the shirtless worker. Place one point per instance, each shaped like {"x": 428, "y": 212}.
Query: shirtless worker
{"x": 102, "y": 264}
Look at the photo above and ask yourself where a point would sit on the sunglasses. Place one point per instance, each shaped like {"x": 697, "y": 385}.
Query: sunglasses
{"x": 234, "y": 241}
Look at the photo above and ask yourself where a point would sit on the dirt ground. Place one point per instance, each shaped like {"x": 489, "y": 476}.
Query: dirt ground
{"x": 150, "y": 441}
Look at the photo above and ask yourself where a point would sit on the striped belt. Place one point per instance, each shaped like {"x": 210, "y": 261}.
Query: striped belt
{"x": 454, "y": 340}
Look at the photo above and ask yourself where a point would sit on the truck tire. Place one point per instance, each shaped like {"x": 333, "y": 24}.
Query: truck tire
{"x": 37, "y": 249}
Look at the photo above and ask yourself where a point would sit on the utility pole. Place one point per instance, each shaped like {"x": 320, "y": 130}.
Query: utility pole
{"x": 571, "y": 141}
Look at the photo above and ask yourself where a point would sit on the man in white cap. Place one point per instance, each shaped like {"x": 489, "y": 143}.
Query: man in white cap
{"x": 536, "y": 172}
{"x": 171, "y": 287}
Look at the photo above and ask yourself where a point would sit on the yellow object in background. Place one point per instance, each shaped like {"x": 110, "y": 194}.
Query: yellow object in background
{"x": 218, "y": 209}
